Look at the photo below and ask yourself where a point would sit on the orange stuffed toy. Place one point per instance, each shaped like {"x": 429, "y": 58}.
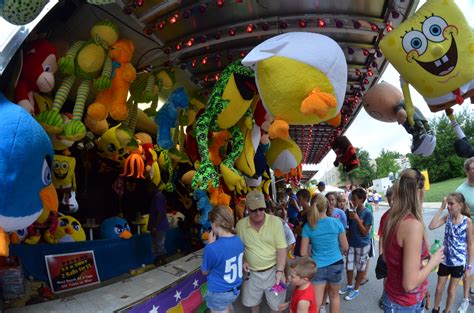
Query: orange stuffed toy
{"x": 113, "y": 101}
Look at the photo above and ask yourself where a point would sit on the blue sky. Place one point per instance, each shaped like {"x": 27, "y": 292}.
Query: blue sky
{"x": 372, "y": 135}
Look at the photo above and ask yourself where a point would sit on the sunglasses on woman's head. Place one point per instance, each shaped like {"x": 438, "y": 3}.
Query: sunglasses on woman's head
{"x": 259, "y": 209}
{"x": 420, "y": 179}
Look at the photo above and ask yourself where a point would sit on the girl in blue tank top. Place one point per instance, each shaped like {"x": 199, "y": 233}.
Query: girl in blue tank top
{"x": 458, "y": 246}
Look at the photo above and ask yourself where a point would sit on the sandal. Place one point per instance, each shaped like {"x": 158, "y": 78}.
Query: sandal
{"x": 364, "y": 282}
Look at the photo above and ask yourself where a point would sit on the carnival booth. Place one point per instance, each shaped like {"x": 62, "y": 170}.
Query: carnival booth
{"x": 107, "y": 104}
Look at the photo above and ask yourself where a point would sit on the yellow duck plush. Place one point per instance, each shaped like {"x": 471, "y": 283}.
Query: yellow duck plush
{"x": 433, "y": 51}
{"x": 283, "y": 155}
{"x": 68, "y": 230}
{"x": 301, "y": 79}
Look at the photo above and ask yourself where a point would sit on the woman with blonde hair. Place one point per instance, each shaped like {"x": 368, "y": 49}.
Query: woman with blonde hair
{"x": 406, "y": 247}
{"x": 327, "y": 237}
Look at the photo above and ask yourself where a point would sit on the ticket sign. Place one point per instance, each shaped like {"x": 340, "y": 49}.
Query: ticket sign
{"x": 71, "y": 270}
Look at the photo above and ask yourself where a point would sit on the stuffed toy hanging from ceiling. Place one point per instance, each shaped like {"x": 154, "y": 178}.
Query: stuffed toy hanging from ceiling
{"x": 18, "y": 12}
{"x": 37, "y": 75}
{"x": 283, "y": 155}
{"x": 89, "y": 62}
{"x": 432, "y": 51}
{"x": 301, "y": 79}
{"x": 229, "y": 101}
{"x": 385, "y": 103}
{"x": 345, "y": 154}
{"x": 113, "y": 101}
{"x": 26, "y": 160}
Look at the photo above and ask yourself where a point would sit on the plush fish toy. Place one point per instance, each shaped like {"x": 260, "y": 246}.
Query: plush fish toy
{"x": 26, "y": 158}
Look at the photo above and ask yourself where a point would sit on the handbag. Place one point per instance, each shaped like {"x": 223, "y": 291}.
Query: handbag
{"x": 381, "y": 268}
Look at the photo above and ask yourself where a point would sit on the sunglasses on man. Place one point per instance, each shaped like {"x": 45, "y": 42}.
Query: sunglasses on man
{"x": 257, "y": 210}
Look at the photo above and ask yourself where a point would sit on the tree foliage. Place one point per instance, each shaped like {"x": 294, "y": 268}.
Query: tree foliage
{"x": 386, "y": 163}
{"x": 444, "y": 163}
{"x": 364, "y": 174}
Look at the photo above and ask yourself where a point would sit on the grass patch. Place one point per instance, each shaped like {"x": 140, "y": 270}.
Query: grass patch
{"x": 441, "y": 189}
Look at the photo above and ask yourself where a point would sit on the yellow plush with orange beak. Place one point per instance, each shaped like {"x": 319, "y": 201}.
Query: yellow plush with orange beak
{"x": 68, "y": 230}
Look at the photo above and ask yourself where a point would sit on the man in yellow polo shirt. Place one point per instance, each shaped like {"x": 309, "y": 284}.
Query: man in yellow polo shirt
{"x": 264, "y": 255}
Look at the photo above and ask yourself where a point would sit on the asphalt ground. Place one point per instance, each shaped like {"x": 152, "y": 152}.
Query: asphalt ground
{"x": 370, "y": 292}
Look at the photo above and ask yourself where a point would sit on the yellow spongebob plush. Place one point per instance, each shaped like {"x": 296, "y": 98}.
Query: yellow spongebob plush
{"x": 301, "y": 79}
{"x": 63, "y": 172}
{"x": 434, "y": 52}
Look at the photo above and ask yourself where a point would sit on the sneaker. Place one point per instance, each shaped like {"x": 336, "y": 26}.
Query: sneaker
{"x": 464, "y": 306}
{"x": 381, "y": 303}
{"x": 352, "y": 295}
{"x": 345, "y": 290}
{"x": 322, "y": 309}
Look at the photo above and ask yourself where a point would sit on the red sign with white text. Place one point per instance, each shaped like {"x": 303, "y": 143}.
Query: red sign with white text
{"x": 71, "y": 270}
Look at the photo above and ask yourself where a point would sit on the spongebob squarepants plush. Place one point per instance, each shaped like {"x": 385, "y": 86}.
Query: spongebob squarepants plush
{"x": 434, "y": 52}
{"x": 301, "y": 79}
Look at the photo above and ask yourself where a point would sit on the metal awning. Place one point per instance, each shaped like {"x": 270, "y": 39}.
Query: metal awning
{"x": 199, "y": 39}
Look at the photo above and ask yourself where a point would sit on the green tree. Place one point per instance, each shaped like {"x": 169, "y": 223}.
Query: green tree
{"x": 364, "y": 174}
{"x": 386, "y": 163}
{"x": 444, "y": 163}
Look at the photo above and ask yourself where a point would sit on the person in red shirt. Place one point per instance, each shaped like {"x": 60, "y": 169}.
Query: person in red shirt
{"x": 405, "y": 247}
{"x": 389, "y": 197}
{"x": 303, "y": 298}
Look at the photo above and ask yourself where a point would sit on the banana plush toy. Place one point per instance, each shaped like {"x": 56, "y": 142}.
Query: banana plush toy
{"x": 433, "y": 52}
{"x": 301, "y": 79}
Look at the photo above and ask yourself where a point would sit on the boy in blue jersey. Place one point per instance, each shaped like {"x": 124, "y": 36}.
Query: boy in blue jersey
{"x": 222, "y": 262}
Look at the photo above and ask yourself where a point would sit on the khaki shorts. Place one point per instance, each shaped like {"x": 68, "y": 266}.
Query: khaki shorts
{"x": 258, "y": 283}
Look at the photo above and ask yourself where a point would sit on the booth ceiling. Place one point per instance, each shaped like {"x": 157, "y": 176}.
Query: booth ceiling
{"x": 199, "y": 39}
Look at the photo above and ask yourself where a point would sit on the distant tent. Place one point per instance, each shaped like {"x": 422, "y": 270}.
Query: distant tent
{"x": 330, "y": 188}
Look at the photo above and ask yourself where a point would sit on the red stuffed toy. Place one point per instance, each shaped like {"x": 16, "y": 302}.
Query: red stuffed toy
{"x": 345, "y": 154}
{"x": 37, "y": 75}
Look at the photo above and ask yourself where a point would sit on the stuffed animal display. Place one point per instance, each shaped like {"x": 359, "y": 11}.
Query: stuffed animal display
{"x": 345, "y": 154}
{"x": 204, "y": 206}
{"x": 167, "y": 116}
{"x": 88, "y": 62}
{"x": 26, "y": 160}
{"x": 385, "y": 103}
{"x": 229, "y": 101}
{"x": 113, "y": 145}
{"x": 432, "y": 51}
{"x": 37, "y": 75}
{"x": 301, "y": 79}
{"x": 113, "y": 101}
{"x": 283, "y": 155}
{"x": 115, "y": 227}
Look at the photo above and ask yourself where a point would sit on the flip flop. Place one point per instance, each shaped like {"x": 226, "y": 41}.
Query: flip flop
{"x": 364, "y": 282}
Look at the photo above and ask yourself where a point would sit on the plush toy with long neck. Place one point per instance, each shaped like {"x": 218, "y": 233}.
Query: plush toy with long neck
{"x": 37, "y": 75}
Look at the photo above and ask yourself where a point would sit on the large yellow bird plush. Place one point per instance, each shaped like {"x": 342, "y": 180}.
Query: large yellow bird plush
{"x": 68, "y": 230}
{"x": 301, "y": 79}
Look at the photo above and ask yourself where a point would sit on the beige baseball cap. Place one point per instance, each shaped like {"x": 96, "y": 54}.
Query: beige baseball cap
{"x": 255, "y": 200}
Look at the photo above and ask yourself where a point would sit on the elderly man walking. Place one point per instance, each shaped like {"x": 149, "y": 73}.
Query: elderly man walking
{"x": 264, "y": 254}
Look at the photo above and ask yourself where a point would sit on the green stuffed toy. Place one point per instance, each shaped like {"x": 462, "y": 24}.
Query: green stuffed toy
{"x": 21, "y": 12}
{"x": 89, "y": 62}
{"x": 229, "y": 101}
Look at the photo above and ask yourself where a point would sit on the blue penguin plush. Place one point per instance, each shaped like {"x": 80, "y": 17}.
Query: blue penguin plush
{"x": 115, "y": 227}
{"x": 26, "y": 157}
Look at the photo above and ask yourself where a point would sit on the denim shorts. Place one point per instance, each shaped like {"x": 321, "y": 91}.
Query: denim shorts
{"x": 220, "y": 301}
{"x": 391, "y": 307}
{"x": 331, "y": 274}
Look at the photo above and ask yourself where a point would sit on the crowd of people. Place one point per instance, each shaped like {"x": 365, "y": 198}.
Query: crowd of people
{"x": 309, "y": 240}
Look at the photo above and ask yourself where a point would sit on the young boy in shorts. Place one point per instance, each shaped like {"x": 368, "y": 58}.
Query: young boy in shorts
{"x": 303, "y": 298}
{"x": 360, "y": 221}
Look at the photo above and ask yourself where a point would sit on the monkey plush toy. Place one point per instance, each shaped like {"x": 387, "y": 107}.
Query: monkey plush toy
{"x": 345, "y": 154}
